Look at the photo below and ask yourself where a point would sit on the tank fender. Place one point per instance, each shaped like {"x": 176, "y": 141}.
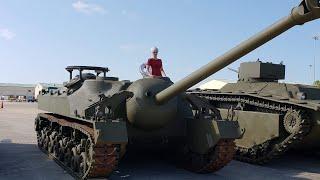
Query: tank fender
{"x": 203, "y": 134}
{"x": 206, "y": 127}
{"x": 227, "y": 129}
{"x": 111, "y": 131}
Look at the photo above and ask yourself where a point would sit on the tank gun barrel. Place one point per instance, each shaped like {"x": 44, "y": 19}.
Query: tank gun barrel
{"x": 308, "y": 10}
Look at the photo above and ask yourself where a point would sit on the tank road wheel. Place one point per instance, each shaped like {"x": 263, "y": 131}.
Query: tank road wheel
{"x": 50, "y": 147}
{"x": 66, "y": 151}
{"x": 56, "y": 149}
{"x": 75, "y": 163}
{"x": 56, "y": 146}
{"x": 215, "y": 159}
{"x": 39, "y": 134}
{"x": 46, "y": 139}
{"x": 292, "y": 121}
{"x": 41, "y": 139}
{"x": 89, "y": 150}
{"x": 61, "y": 151}
{"x": 51, "y": 143}
{"x": 68, "y": 157}
{"x": 83, "y": 166}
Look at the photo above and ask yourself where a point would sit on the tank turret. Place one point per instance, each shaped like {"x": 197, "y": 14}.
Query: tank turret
{"x": 261, "y": 72}
{"x": 94, "y": 118}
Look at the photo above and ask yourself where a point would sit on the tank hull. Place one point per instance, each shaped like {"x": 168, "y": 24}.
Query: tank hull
{"x": 90, "y": 125}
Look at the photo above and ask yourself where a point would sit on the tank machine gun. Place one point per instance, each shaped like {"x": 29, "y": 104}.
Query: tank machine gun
{"x": 93, "y": 119}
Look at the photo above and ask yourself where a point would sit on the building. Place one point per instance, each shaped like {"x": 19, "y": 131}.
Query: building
{"x": 45, "y": 86}
{"x": 17, "y": 92}
{"x": 215, "y": 84}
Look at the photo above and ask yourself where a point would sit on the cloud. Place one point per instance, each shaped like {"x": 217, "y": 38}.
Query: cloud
{"x": 7, "y": 34}
{"x": 88, "y": 8}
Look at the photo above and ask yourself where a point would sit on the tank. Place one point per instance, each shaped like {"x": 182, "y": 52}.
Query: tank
{"x": 91, "y": 121}
{"x": 94, "y": 119}
{"x": 276, "y": 116}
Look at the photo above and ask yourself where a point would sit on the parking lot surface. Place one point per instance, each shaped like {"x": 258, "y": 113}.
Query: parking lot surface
{"x": 21, "y": 159}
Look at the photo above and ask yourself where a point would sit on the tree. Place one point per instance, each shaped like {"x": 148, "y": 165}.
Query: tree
{"x": 317, "y": 83}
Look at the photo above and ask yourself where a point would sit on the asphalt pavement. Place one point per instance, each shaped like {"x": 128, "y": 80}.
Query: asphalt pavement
{"x": 21, "y": 159}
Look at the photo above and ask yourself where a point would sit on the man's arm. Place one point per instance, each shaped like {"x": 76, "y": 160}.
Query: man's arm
{"x": 163, "y": 73}
{"x": 161, "y": 69}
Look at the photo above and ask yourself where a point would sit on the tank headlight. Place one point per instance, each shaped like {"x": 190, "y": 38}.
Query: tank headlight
{"x": 302, "y": 95}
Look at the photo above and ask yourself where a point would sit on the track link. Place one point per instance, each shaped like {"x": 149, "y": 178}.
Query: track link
{"x": 263, "y": 153}
{"x": 223, "y": 154}
{"x": 216, "y": 159}
{"x": 71, "y": 144}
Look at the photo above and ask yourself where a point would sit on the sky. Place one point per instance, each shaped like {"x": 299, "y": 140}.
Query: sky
{"x": 38, "y": 39}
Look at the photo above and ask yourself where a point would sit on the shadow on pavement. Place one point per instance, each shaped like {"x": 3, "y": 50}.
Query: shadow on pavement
{"x": 150, "y": 164}
{"x": 153, "y": 165}
{"x": 26, "y": 161}
{"x": 306, "y": 162}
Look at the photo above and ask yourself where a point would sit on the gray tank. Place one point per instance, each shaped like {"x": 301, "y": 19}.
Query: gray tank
{"x": 92, "y": 120}
{"x": 276, "y": 116}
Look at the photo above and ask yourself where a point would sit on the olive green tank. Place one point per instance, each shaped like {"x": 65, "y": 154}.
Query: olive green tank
{"x": 93, "y": 119}
{"x": 276, "y": 116}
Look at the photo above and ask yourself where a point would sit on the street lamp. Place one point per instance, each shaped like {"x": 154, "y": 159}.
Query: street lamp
{"x": 315, "y": 38}
{"x": 311, "y": 73}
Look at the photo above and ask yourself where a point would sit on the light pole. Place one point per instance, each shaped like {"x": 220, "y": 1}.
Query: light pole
{"x": 311, "y": 73}
{"x": 315, "y": 38}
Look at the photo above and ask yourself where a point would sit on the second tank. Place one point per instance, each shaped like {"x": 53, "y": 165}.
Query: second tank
{"x": 276, "y": 116}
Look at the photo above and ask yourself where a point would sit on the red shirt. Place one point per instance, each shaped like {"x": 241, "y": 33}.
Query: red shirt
{"x": 156, "y": 66}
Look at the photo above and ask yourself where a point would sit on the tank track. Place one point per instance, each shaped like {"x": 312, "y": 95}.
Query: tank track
{"x": 216, "y": 159}
{"x": 71, "y": 144}
{"x": 263, "y": 153}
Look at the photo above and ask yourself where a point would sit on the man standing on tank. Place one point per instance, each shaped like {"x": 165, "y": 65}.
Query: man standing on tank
{"x": 154, "y": 64}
